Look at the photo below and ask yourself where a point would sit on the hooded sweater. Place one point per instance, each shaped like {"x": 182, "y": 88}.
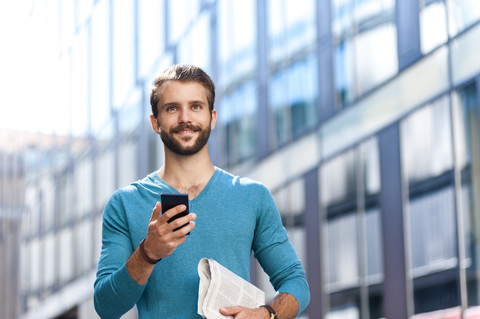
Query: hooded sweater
{"x": 234, "y": 216}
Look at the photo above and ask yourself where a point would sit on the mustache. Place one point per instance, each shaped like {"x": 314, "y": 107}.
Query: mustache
{"x": 183, "y": 126}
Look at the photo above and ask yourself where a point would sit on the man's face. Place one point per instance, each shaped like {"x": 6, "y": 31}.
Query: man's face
{"x": 184, "y": 120}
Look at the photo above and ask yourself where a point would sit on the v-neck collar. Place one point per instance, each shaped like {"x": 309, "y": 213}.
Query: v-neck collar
{"x": 210, "y": 182}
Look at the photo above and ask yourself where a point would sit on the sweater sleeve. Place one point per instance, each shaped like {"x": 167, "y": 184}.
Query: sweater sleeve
{"x": 276, "y": 254}
{"x": 115, "y": 292}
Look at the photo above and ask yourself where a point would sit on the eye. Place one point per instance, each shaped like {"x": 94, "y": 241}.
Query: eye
{"x": 170, "y": 108}
{"x": 196, "y": 106}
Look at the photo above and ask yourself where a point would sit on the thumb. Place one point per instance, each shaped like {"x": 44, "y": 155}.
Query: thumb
{"x": 230, "y": 311}
{"x": 156, "y": 212}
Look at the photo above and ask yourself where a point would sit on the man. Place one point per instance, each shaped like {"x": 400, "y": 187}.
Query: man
{"x": 144, "y": 262}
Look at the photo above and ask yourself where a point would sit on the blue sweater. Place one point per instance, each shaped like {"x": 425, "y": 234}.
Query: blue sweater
{"x": 234, "y": 216}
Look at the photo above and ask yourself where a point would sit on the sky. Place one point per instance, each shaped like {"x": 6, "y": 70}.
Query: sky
{"x": 19, "y": 81}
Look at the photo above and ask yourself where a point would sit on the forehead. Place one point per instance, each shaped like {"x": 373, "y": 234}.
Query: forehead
{"x": 177, "y": 91}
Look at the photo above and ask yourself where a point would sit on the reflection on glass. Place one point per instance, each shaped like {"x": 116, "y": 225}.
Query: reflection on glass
{"x": 105, "y": 176}
{"x": 462, "y": 14}
{"x": 426, "y": 142}
{"x": 293, "y": 95}
{"x": 291, "y": 27}
{"x": 150, "y": 27}
{"x": 290, "y": 200}
{"x": 433, "y": 24}
{"x": 66, "y": 194}
{"x": 100, "y": 80}
{"x": 375, "y": 56}
{"x": 467, "y": 148}
{"x": 65, "y": 247}
{"x": 123, "y": 55}
{"x": 237, "y": 116}
{"x": 342, "y": 252}
{"x": 128, "y": 162}
{"x": 347, "y": 311}
{"x": 433, "y": 232}
{"x": 237, "y": 39}
{"x": 48, "y": 259}
{"x": 80, "y": 90}
{"x": 365, "y": 52}
{"x": 338, "y": 180}
{"x": 349, "y": 187}
{"x": 344, "y": 76}
{"x": 464, "y": 56}
{"x": 195, "y": 47}
{"x": 373, "y": 244}
{"x": 371, "y": 166}
{"x": 83, "y": 187}
{"x": 466, "y": 124}
{"x": 181, "y": 13}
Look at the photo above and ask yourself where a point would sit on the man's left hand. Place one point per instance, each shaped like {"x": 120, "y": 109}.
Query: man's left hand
{"x": 239, "y": 312}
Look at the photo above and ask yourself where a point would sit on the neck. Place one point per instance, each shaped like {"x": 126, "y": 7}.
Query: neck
{"x": 187, "y": 174}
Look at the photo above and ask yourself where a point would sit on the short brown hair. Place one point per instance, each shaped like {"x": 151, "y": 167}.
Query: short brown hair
{"x": 182, "y": 73}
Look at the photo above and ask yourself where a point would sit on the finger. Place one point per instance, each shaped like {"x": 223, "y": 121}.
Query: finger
{"x": 184, "y": 230}
{"x": 156, "y": 211}
{"x": 231, "y": 311}
{"x": 183, "y": 222}
{"x": 174, "y": 211}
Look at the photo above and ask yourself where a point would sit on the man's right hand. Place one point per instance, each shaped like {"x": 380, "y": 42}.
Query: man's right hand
{"x": 161, "y": 240}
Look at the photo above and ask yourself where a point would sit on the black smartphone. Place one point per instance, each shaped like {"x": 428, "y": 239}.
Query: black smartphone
{"x": 171, "y": 200}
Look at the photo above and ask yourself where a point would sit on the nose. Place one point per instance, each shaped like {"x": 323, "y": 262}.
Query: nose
{"x": 184, "y": 115}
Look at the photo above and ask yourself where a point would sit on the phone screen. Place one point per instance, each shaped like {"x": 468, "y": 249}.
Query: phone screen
{"x": 171, "y": 200}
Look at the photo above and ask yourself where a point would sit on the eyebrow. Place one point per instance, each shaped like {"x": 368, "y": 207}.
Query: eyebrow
{"x": 176, "y": 103}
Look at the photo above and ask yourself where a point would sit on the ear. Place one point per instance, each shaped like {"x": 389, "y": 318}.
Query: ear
{"x": 213, "y": 120}
{"x": 154, "y": 123}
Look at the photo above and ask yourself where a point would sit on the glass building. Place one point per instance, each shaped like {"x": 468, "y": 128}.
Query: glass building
{"x": 361, "y": 116}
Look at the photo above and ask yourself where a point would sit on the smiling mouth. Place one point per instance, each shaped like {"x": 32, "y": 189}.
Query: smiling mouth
{"x": 185, "y": 129}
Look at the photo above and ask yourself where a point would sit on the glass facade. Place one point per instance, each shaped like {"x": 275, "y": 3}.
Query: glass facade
{"x": 365, "y": 46}
{"x": 398, "y": 141}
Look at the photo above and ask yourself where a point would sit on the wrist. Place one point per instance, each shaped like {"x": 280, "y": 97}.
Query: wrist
{"x": 272, "y": 314}
{"x": 144, "y": 254}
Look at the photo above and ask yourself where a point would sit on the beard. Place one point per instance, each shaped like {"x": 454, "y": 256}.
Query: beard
{"x": 176, "y": 147}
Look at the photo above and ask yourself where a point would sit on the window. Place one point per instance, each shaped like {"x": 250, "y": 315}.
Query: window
{"x": 433, "y": 24}
{"x": 462, "y": 14}
{"x": 433, "y": 231}
{"x": 128, "y": 162}
{"x": 426, "y": 142}
{"x": 353, "y": 259}
{"x": 100, "y": 63}
{"x": 237, "y": 117}
{"x": 181, "y": 13}
{"x": 342, "y": 252}
{"x": 105, "y": 176}
{"x": 123, "y": 50}
{"x": 66, "y": 250}
{"x": 466, "y": 124}
{"x": 341, "y": 169}
{"x": 195, "y": 47}
{"x": 151, "y": 24}
{"x": 83, "y": 187}
{"x": 291, "y": 28}
{"x": 237, "y": 40}
{"x": 431, "y": 220}
{"x": 80, "y": 85}
{"x": 365, "y": 46}
{"x": 293, "y": 99}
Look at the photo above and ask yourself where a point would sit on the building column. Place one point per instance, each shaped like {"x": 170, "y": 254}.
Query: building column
{"x": 314, "y": 270}
{"x": 408, "y": 32}
{"x": 397, "y": 284}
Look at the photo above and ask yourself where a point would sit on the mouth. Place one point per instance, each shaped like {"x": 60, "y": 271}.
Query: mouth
{"x": 185, "y": 130}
